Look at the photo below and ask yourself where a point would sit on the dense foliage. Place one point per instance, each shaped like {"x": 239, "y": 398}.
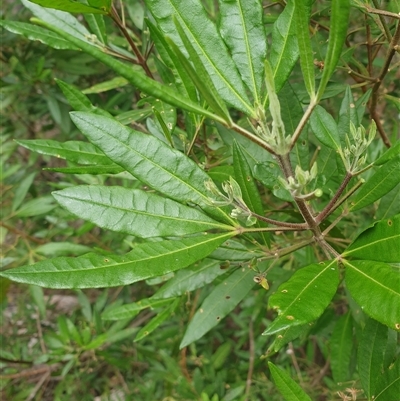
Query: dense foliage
{"x": 232, "y": 159}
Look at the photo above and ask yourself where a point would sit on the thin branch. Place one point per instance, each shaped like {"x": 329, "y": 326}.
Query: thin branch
{"x": 302, "y": 124}
{"x": 382, "y": 12}
{"x": 295, "y": 226}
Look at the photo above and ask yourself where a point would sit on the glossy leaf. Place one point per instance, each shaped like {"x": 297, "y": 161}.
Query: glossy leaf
{"x": 33, "y": 32}
{"x": 284, "y": 46}
{"x": 244, "y": 178}
{"x": 290, "y": 390}
{"x": 96, "y": 271}
{"x": 340, "y": 12}
{"x": 129, "y": 311}
{"x": 74, "y": 151}
{"x": 70, "y": 6}
{"x": 379, "y": 242}
{"x": 375, "y": 286}
{"x": 208, "y": 44}
{"x": 370, "y": 355}
{"x": 325, "y": 128}
{"x": 156, "y": 321}
{"x": 388, "y": 387}
{"x": 382, "y": 182}
{"x": 304, "y": 297}
{"x": 302, "y": 17}
{"x": 134, "y": 76}
{"x": 222, "y": 300}
{"x": 134, "y": 211}
{"x": 150, "y": 160}
{"x": 341, "y": 345}
{"x": 242, "y": 29}
{"x": 191, "y": 279}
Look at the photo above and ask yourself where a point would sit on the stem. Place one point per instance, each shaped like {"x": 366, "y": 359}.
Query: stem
{"x": 141, "y": 60}
{"x": 328, "y": 208}
{"x": 294, "y": 226}
{"x": 244, "y": 230}
{"x": 302, "y": 123}
{"x": 286, "y": 251}
{"x": 383, "y": 22}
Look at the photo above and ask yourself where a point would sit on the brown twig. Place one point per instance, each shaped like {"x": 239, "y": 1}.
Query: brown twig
{"x": 22, "y": 234}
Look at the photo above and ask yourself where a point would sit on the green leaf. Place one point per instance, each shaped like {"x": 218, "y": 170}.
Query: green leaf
{"x": 284, "y": 47}
{"x": 286, "y": 336}
{"x": 348, "y": 113}
{"x": 134, "y": 75}
{"x": 62, "y": 249}
{"x": 65, "y": 23}
{"x": 208, "y": 44}
{"x": 94, "y": 170}
{"x": 389, "y": 154}
{"x": 341, "y": 345}
{"x": 290, "y": 390}
{"x": 221, "y": 301}
{"x": 70, "y": 6}
{"x": 370, "y": 355}
{"x": 96, "y": 271}
{"x": 150, "y": 160}
{"x": 235, "y": 250}
{"x": 74, "y": 151}
{"x": 190, "y": 279}
{"x": 134, "y": 212}
{"x": 382, "y": 182}
{"x": 36, "y": 207}
{"x": 244, "y": 178}
{"x": 156, "y": 321}
{"x": 375, "y": 286}
{"x": 340, "y": 12}
{"x": 242, "y": 29}
{"x": 21, "y": 190}
{"x": 36, "y": 33}
{"x": 389, "y": 205}
{"x": 388, "y": 387}
{"x": 128, "y": 311}
{"x": 117, "y": 82}
{"x": 325, "y": 128}
{"x": 379, "y": 242}
{"x": 97, "y": 26}
{"x": 304, "y": 297}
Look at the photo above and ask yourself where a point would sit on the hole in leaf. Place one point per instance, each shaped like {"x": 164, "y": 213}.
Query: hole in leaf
{"x": 390, "y": 222}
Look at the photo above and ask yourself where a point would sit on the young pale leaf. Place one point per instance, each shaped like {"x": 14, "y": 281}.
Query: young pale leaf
{"x": 191, "y": 279}
{"x": 65, "y": 22}
{"x": 74, "y": 151}
{"x": 36, "y": 33}
{"x": 375, "y": 286}
{"x": 97, "y": 26}
{"x": 222, "y": 300}
{"x": 70, "y": 6}
{"x": 337, "y": 34}
{"x": 304, "y": 297}
{"x": 347, "y": 114}
{"x": 128, "y": 311}
{"x": 388, "y": 387}
{"x": 244, "y": 178}
{"x": 325, "y": 128}
{"x": 96, "y": 271}
{"x": 242, "y": 29}
{"x": 341, "y": 346}
{"x": 134, "y": 76}
{"x": 134, "y": 211}
{"x": 379, "y": 242}
{"x": 370, "y": 355}
{"x": 156, "y": 321}
{"x": 208, "y": 44}
{"x": 302, "y": 17}
{"x": 286, "y": 385}
{"x": 383, "y": 181}
{"x": 150, "y": 160}
{"x": 284, "y": 47}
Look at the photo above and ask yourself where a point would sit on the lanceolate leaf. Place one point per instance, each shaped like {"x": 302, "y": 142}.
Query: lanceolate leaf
{"x": 134, "y": 75}
{"x": 375, "y": 286}
{"x": 134, "y": 212}
{"x": 325, "y": 128}
{"x": 340, "y": 12}
{"x": 70, "y": 6}
{"x": 286, "y": 385}
{"x": 383, "y": 181}
{"x": 209, "y": 45}
{"x": 37, "y": 33}
{"x": 388, "y": 387}
{"x": 302, "y": 17}
{"x": 218, "y": 304}
{"x": 95, "y": 170}
{"x": 371, "y": 355}
{"x": 150, "y": 160}
{"x": 379, "y": 242}
{"x": 284, "y": 47}
{"x": 305, "y": 296}
{"x": 242, "y": 29}
{"x": 96, "y": 271}
{"x": 74, "y": 151}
